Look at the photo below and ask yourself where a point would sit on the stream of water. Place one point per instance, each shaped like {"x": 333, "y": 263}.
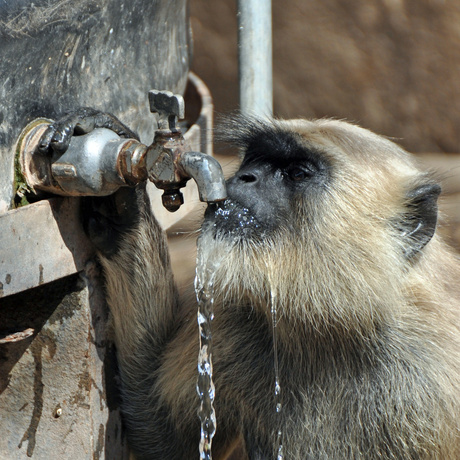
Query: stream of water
{"x": 277, "y": 387}
{"x": 207, "y": 265}
{"x": 206, "y": 269}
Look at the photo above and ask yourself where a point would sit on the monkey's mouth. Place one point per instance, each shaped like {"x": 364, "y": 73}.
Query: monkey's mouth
{"x": 231, "y": 219}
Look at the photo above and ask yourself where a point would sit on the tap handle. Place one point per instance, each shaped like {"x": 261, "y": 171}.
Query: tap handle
{"x": 170, "y": 107}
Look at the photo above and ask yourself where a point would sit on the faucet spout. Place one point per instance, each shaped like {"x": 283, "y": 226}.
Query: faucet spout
{"x": 207, "y": 173}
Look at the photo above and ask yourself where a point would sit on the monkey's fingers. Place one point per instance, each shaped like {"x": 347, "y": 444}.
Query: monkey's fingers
{"x": 58, "y": 134}
{"x": 109, "y": 121}
{"x": 56, "y": 138}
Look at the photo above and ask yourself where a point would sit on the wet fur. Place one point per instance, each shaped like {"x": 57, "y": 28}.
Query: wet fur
{"x": 369, "y": 321}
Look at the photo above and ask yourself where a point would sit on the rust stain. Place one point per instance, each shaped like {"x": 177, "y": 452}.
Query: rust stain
{"x": 81, "y": 397}
{"x": 36, "y": 348}
{"x": 101, "y": 394}
{"x": 40, "y": 276}
{"x": 99, "y": 444}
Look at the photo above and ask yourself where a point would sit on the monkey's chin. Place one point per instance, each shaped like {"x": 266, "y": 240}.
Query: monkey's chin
{"x": 231, "y": 220}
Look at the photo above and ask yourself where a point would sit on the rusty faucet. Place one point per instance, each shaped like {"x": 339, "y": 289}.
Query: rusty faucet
{"x": 174, "y": 162}
{"x": 100, "y": 162}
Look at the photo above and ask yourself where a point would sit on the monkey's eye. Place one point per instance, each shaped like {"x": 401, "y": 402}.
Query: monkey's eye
{"x": 297, "y": 173}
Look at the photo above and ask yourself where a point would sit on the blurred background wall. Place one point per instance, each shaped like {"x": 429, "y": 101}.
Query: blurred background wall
{"x": 390, "y": 65}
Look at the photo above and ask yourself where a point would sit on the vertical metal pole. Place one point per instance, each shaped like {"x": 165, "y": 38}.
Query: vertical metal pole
{"x": 255, "y": 57}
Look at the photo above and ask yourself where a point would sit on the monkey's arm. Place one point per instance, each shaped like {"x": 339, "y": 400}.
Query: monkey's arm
{"x": 143, "y": 300}
{"x": 139, "y": 282}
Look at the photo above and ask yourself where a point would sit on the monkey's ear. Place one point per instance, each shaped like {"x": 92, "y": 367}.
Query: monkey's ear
{"x": 419, "y": 221}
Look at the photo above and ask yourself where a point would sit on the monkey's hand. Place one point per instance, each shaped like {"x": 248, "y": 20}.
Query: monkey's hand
{"x": 106, "y": 220}
{"x": 81, "y": 121}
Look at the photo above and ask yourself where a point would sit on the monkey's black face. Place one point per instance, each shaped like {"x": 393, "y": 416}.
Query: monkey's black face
{"x": 277, "y": 177}
{"x": 313, "y": 207}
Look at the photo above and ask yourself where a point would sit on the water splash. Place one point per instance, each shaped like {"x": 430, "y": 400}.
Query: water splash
{"x": 206, "y": 268}
{"x": 235, "y": 220}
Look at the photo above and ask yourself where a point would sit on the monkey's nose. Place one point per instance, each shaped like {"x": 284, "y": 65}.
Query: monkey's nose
{"x": 247, "y": 177}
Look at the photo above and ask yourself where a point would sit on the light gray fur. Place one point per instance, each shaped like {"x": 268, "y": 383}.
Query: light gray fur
{"x": 368, "y": 341}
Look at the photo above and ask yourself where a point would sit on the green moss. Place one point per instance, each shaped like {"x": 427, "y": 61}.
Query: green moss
{"x": 21, "y": 189}
{"x": 23, "y": 193}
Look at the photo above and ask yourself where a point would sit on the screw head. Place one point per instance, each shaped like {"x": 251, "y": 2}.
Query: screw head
{"x": 57, "y": 411}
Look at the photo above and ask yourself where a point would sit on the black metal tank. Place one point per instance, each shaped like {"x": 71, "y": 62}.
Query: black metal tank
{"x": 56, "y": 55}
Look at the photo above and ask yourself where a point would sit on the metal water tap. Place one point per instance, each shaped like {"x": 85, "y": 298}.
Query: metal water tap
{"x": 100, "y": 162}
{"x": 174, "y": 163}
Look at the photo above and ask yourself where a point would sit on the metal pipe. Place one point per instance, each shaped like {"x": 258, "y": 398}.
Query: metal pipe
{"x": 255, "y": 57}
{"x": 100, "y": 162}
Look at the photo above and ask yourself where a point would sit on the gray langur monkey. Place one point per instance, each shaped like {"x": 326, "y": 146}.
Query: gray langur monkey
{"x": 337, "y": 227}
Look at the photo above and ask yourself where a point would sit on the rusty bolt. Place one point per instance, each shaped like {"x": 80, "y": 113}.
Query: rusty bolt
{"x": 172, "y": 200}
